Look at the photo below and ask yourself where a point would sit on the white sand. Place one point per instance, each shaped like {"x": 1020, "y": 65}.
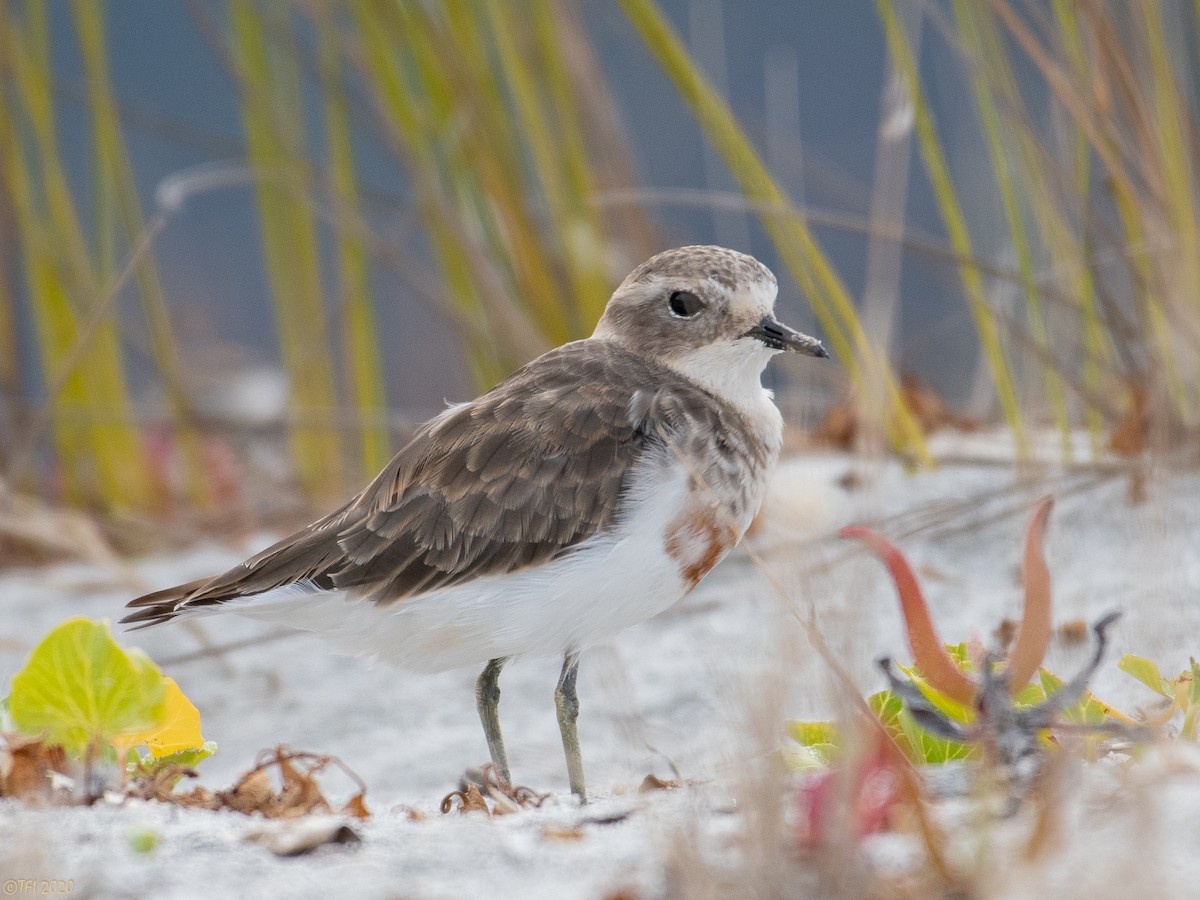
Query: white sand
{"x": 706, "y": 686}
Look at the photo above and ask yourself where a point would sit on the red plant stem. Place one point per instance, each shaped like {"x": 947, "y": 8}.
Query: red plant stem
{"x": 927, "y": 647}
{"x": 1033, "y": 637}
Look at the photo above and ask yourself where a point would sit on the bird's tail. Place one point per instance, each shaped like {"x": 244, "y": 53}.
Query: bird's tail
{"x": 161, "y": 606}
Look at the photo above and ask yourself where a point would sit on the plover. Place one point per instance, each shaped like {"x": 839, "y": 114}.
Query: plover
{"x": 587, "y": 492}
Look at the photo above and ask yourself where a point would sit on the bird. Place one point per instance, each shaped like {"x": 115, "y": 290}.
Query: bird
{"x": 589, "y": 491}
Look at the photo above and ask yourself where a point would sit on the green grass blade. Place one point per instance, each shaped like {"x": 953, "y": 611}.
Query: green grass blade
{"x": 582, "y": 235}
{"x": 1181, "y": 260}
{"x": 117, "y": 197}
{"x": 463, "y": 160}
{"x": 796, "y": 245}
{"x": 956, "y": 227}
{"x": 388, "y": 77}
{"x": 489, "y": 169}
{"x": 1095, "y": 338}
{"x": 556, "y": 151}
{"x": 272, "y": 119}
{"x": 107, "y": 462}
{"x": 992, "y": 60}
{"x": 361, "y": 335}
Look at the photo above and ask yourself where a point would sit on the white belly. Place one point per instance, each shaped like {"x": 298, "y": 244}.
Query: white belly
{"x": 607, "y": 584}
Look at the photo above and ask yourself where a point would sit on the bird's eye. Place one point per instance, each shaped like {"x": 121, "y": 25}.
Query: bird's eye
{"x": 684, "y": 304}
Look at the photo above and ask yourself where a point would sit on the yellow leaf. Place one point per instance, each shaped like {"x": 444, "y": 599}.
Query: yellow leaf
{"x": 79, "y": 687}
{"x": 180, "y": 730}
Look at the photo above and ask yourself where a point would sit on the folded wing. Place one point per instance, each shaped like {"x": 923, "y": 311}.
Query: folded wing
{"x": 507, "y": 481}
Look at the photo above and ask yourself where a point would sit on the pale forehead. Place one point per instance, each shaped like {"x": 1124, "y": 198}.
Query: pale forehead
{"x": 727, "y": 268}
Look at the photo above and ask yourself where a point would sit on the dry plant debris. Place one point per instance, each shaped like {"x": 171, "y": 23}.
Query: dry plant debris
{"x": 26, "y": 768}
{"x": 469, "y": 800}
{"x": 842, "y": 423}
{"x": 296, "y": 837}
{"x": 1131, "y": 433}
{"x": 298, "y": 794}
{"x": 472, "y": 795}
{"x": 34, "y": 531}
{"x": 562, "y": 833}
{"x": 653, "y": 783}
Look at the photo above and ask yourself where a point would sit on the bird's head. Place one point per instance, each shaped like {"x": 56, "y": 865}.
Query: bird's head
{"x": 708, "y": 312}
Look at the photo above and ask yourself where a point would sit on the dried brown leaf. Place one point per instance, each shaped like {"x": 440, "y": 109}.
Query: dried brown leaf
{"x": 301, "y": 794}
{"x": 842, "y": 423}
{"x": 357, "y": 806}
{"x": 654, "y": 783}
{"x": 1073, "y": 631}
{"x": 839, "y": 426}
{"x": 196, "y": 798}
{"x": 556, "y": 833}
{"x": 503, "y": 806}
{"x": 158, "y": 784}
{"x": 25, "y": 767}
{"x": 252, "y": 793}
{"x": 507, "y": 797}
{"x": 1131, "y": 433}
{"x": 469, "y": 800}
{"x": 1006, "y": 631}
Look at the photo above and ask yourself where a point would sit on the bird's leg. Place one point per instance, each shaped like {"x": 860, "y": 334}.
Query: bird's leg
{"x": 487, "y": 700}
{"x": 568, "y": 711}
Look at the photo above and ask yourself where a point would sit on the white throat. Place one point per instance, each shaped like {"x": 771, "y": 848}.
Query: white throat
{"x": 730, "y": 369}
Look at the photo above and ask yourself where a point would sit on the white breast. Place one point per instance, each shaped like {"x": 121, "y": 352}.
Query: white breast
{"x": 610, "y": 582}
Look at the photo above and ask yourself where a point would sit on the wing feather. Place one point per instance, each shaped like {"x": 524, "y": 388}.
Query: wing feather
{"x": 507, "y": 481}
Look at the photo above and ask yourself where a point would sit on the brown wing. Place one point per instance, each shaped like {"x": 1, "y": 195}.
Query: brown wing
{"x": 471, "y": 494}
{"x": 496, "y": 485}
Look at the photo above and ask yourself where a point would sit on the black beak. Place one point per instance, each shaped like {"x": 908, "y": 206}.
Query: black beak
{"x": 778, "y": 336}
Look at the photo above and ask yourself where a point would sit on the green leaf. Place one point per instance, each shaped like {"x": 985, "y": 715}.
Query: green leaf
{"x": 820, "y": 743}
{"x": 1030, "y": 695}
{"x": 949, "y": 707}
{"x": 927, "y": 748}
{"x": 1146, "y": 672}
{"x": 143, "y": 840}
{"x": 183, "y": 759}
{"x": 1186, "y": 690}
{"x": 961, "y": 654}
{"x": 188, "y": 758}
{"x": 918, "y": 745}
{"x": 809, "y": 733}
{"x": 815, "y": 757}
{"x": 888, "y": 709}
{"x": 931, "y": 749}
{"x": 79, "y": 688}
{"x": 1088, "y": 711}
{"x": 1188, "y": 729}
